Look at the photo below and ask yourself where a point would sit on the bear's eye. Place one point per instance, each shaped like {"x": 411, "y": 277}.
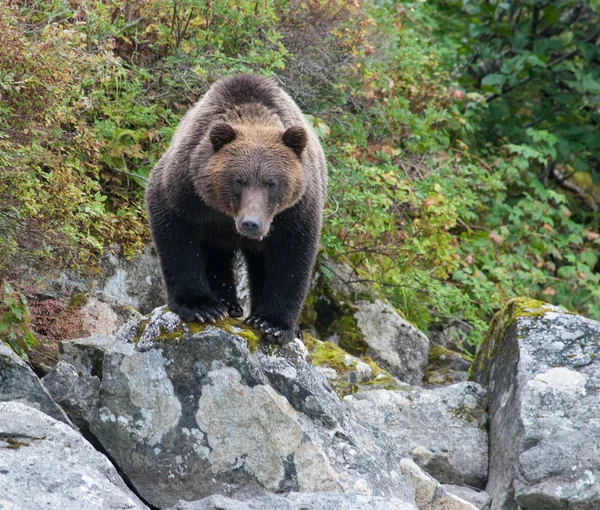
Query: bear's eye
{"x": 271, "y": 184}
{"x": 239, "y": 182}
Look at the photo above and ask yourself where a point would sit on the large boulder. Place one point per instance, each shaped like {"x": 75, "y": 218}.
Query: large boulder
{"x": 77, "y": 394}
{"x": 103, "y": 315}
{"x": 46, "y": 464}
{"x": 19, "y": 383}
{"x": 187, "y": 411}
{"x": 443, "y": 429}
{"x": 298, "y": 501}
{"x": 542, "y": 367}
{"x": 136, "y": 282}
{"x": 392, "y": 341}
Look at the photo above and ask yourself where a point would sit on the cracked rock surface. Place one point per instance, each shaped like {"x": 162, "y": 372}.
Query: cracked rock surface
{"x": 443, "y": 429}
{"x": 189, "y": 411}
{"x": 46, "y": 464}
{"x": 18, "y": 383}
{"x": 542, "y": 366}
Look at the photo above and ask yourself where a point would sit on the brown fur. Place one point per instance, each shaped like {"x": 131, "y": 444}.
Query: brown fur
{"x": 243, "y": 152}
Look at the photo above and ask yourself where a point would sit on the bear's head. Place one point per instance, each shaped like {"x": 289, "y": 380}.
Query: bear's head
{"x": 254, "y": 173}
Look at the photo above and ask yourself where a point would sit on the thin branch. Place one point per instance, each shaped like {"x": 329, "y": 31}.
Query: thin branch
{"x": 580, "y": 192}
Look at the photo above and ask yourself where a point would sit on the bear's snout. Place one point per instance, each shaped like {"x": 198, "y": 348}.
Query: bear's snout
{"x": 250, "y": 225}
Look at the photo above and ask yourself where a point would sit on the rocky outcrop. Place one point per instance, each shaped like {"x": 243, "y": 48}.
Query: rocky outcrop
{"x": 136, "y": 282}
{"x": 443, "y": 429}
{"x": 46, "y": 464}
{"x": 299, "y": 501}
{"x": 477, "y": 497}
{"x": 18, "y": 383}
{"x": 429, "y": 494}
{"x": 394, "y": 343}
{"x": 188, "y": 411}
{"x": 542, "y": 367}
{"x": 75, "y": 393}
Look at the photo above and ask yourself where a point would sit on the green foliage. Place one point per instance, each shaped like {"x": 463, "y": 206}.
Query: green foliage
{"x": 462, "y": 137}
{"x": 537, "y": 64}
{"x": 15, "y": 325}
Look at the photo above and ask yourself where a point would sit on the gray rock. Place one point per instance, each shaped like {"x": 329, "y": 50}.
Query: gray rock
{"x": 479, "y": 498}
{"x": 19, "y": 383}
{"x": 103, "y": 315}
{"x": 298, "y": 501}
{"x": 190, "y": 413}
{"x": 542, "y": 366}
{"x": 430, "y": 495}
{"x": 394, "y": 343}
{"x": 443, "y": 429}
{"x": 86, "y": 354}
{"x": 46, "y": 464}
{"x": 136, "y": 282}
{"x": 75, "y": 393}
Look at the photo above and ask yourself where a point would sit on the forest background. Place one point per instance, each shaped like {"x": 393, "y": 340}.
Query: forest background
{"x": 462, "y": 137}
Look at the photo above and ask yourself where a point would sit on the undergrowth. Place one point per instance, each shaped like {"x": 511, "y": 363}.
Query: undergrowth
{"x": 435, "y": 195}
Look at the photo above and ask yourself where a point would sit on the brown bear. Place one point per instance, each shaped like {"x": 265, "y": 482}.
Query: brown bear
{"x": 244, "y": 172}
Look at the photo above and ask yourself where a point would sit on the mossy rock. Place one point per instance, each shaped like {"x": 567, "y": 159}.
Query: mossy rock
{"x": 332, "y": 314}
{"x": 501, "y": 323}
{"x": 229, "y": 325}
{"x": 327, "y": 354}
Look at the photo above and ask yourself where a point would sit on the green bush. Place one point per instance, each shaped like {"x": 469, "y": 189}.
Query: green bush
{"x": 461, "y": 163}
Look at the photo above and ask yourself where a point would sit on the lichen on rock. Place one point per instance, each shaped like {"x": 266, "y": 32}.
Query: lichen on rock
{"x": 191, "y": 411}
{"x": 541, "y": 366}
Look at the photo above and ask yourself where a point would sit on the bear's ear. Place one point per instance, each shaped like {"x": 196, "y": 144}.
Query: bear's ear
{"x": 220, "y": 135}
{"x": 295, "y": 138}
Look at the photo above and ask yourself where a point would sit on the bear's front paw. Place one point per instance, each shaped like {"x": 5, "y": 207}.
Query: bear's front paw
{"x": 274, "y": 333}
{"x": 203, "y": 309}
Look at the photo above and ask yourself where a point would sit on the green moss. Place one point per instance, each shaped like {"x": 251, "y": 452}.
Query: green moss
{"x": 326, "y": 353}
{"x": 374, "y": 366}
{"x": 384, "y": 380}
{"x": 310, "y": 342}
{"x": 468, "y": 414}
{"x": 501, "y": 323}
{"x": 229, "y": 325}
{"x": 248, "y": 334}
{"x": 15, "y": 444}
{"x": 140, "y": 330}
{"x": 78, "y": 300}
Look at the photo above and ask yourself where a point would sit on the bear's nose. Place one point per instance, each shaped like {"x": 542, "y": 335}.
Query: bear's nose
{"x": 250, "y": 225}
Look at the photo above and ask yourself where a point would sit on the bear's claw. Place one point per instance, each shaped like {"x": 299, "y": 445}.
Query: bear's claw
{"x": 201, "y": 310}
{"x": 274, "y": 334}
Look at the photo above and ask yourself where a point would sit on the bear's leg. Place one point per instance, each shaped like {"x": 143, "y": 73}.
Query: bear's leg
{"x": 287, "y": 270}
{"x": 219, "y": 269}
{"x": 183, "y": 262}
